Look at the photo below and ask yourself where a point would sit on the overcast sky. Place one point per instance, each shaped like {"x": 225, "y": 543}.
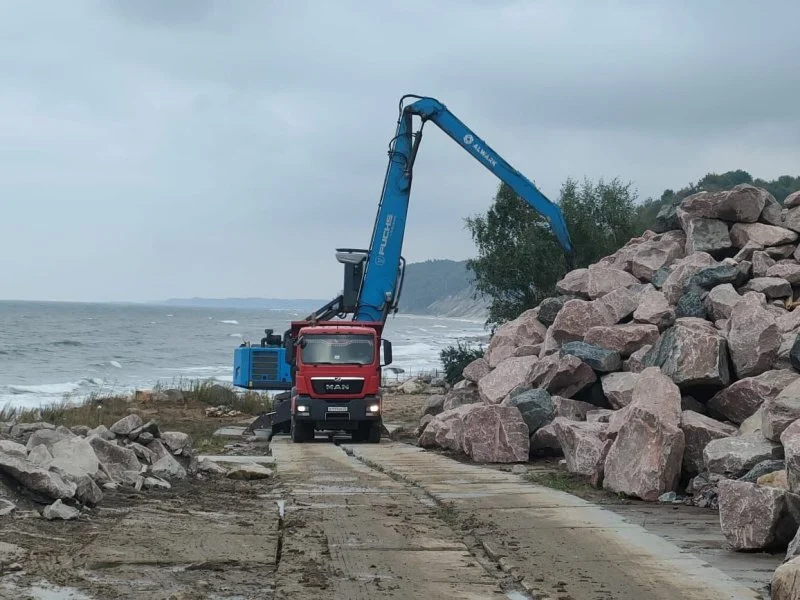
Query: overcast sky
{"x": 165, "y": 148}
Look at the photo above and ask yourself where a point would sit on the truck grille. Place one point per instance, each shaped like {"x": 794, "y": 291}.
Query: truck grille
{"x": 337, "y": 385}
{"x": 265, "y": 366}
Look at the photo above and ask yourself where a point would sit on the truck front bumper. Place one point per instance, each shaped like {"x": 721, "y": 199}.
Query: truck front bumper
{"x": 333, "y": 415}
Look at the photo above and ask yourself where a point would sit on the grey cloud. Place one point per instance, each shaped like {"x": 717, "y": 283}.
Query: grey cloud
{"x": 155, "y": 149}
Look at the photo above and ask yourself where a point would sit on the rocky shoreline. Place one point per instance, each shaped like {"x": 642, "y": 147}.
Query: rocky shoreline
{"x": 669, "y": 370}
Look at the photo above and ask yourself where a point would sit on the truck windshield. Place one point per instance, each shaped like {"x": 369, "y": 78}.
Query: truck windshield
{"x": 338, "y": 349}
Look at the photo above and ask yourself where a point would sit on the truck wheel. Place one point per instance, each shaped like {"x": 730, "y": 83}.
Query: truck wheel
{"x": 301, "y": 432}
{"x": 374, "y": 433}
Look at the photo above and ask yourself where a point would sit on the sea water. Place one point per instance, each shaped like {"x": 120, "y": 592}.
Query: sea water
{"x": 50, "y": 351}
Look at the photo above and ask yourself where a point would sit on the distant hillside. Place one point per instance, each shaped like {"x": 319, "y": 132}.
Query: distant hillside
{"x": 440, "y": 287}
{"x": 435, "y": 287}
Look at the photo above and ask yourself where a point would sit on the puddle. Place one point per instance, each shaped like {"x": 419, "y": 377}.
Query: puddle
{"x": 517, "y": 596}
{"x": 45, "y": 591}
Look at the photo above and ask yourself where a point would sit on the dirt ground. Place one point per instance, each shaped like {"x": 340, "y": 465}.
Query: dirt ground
{"x": 347, "y": 521}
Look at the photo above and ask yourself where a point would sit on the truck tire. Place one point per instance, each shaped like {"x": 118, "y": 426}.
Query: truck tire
{"x": 374, "y": 433}
{"x": 301, "y": 432}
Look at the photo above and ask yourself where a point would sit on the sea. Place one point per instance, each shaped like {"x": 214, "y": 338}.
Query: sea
{"x": 53, "y": 351}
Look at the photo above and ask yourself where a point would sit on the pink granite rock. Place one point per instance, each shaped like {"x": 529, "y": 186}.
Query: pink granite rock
{"x": 635, "y": 364}
{"x": 495, "y": 434}
{"x": 741, "y": 204}
{"x": 742, "y": 398}
{"x": 574, "y": 410}
{"x": 476, "y": 369}
{"x": 789, "y": 272}
{"x": 753, "y": 337}
{"x": 654, "y": 310}
{"x": 574, "y": 283}
{"x": 720, "y": 301}
{"x": 510, "y": 373}
{"x": 585, "y": 447}
{"x": 781, "y": 411}
{"x": 698, "y": 431}
{"x": 618, "y": 388}
{"x": 645, "y": 459}
{"x": 756, "y": 518}
{"x": 562, "y": 375}
{"x": 766, "y": 235}
{"x": 524, "y": 330}
{"x": 603, "y": 280}
{"x": 625, "y": 339}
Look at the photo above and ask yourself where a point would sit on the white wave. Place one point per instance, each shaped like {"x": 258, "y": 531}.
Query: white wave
{"x": 236, "y": 335}
{"x": 170, "y": 315}
{"x": 440, "y": 326}
{"x": 415, "y": 349}
{"x": 49, "y": 389}
{"x": 230, "y": 322}
{"x": 224, "y": 378}
{"x": 115, "y": 364}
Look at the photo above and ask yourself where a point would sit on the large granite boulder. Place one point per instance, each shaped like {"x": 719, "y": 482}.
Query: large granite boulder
{"x": 446, "y": 430}
{"x": 585, "y": 446}
{"x": 524, "y": 330}
{"x": 716, "y": 275}
{"x": 461, "y": 396}
{"x": 753, "y": 337}
{"x": 476, "y": 370}
{"x": 786, "y": 579}
{"x": 787, "y": 271}
{"x": 773, "y": 211}
{"x": 574, "y": 410}
{"x": 742, "y": 398}
{"x": 720, "y": 301}
{"x": 682, "y": 271}
{"x": 574, "y": 283}
{"x": 35, "y": 478}
{"x": 735, "y": 456}
{"x": 756, "y": 518}
{"x": 618, "y": 388}
{"x": 654, "y": 309}
{"x": 635, "y": 363}
{"x": 771, "y": 287}
{"x": 75, "y": 456}
{"x": 120, "y": 463}
{"x": 790, "y": 440}
{"x": 510, "y": 373}
{"x": 48, "y": 437}
{"x": 600, "y": 359}
{"x": 698, "y": 431}
{"x": 126, "y": 424}
{"x": 766, "y": 235}
{"x": 624, "y": 339}
{"x": 578, "y": 316}
{"x": 603, "y": 280}
{"x": 545, "y": 442}
{"x": 705, "y": 235}
{"x": 781, "y": 411}
{"x": 562, "y": 375}
{"x": 645, "y": 258}
{"x": 495, "y": 434}
{"x": 792, "y": 200}
{"x": 762, "y": 263}
{"x": 742, "y": 204}
{"x": 691, "y": 353}
{"x": 645, "y": 458}
{"x": 536, "y": 406}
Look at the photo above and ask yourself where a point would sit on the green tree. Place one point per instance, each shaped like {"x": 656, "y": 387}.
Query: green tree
{"x": 519, "y": 260}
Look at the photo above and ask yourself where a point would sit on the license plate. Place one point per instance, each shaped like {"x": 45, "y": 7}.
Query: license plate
{"x": 337, "y": 409}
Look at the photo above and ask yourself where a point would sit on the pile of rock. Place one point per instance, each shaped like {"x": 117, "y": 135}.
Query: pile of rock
{"x": 73, "y": 466}
{"x": 222, "y": 411}
{"x": 670, "y": 366}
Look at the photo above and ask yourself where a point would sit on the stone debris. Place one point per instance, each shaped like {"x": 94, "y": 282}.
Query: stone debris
{"x": 59, "y": 510}
{"x": 75, "y": 467}
{"x": 222, "y": 411}
{"x": 250, "y": 471}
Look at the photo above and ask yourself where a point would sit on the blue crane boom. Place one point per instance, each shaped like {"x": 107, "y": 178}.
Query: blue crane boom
{"x": 379, "y": 287}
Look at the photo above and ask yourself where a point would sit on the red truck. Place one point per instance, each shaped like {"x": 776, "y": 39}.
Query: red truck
{"x": 337, "y": 378}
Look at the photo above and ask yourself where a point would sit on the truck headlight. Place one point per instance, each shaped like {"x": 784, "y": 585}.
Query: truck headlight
{"x": 373, "y": 408}
{"x": 302, "y": 408}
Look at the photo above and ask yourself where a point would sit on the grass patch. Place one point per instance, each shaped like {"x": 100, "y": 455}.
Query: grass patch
{"x": 448, "y": 514}
{"x": 177, "y": 407}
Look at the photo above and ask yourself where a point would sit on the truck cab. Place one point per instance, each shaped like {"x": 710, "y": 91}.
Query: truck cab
{"x": 337, "y": 378}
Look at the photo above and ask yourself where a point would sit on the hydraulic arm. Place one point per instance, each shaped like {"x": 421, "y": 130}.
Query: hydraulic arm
{"x": 380, "y": 286}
